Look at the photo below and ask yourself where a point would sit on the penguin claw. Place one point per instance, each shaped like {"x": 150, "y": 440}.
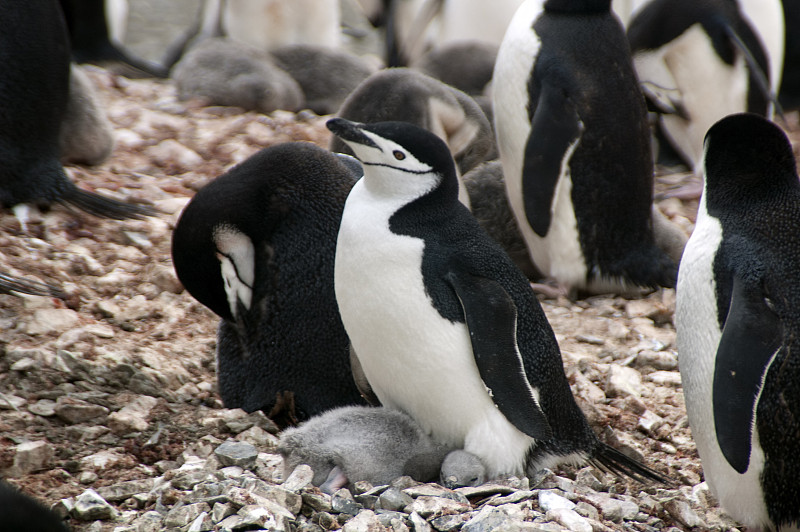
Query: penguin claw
{"x": 549, "y": 291}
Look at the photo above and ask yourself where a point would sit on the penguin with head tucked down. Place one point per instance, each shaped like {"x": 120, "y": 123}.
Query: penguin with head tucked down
{"x": 701, "y": 60}
{"x": 256, "y": 246}
{"x": 34, "y": 88}
{"x": 574, "y": 141}
{"x": 445, "y": 327}
{"x": 737, "y": 317}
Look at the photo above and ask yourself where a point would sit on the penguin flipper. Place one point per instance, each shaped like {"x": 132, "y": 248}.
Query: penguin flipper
{"x": 491, "y": 318}
{"x": 555, "y": 132}
{"x": 10, "y": 284}
{"x": 751, "y": 337}
{"x": 363, "y": 385}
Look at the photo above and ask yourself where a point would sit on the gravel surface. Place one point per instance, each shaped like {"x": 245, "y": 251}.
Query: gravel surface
{"x": 108, "y": 402}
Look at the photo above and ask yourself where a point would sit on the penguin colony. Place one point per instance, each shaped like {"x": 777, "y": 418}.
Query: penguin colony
{"x": 341, "y": 281}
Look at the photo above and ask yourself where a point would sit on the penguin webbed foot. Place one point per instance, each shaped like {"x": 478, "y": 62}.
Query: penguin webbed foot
{"x": 336, "y": 480}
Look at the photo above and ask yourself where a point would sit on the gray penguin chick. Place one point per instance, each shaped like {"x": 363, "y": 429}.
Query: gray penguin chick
{"x": 461, "y": 468}
{"x": 87, "y": 136}
{"x": 354, "y": 443}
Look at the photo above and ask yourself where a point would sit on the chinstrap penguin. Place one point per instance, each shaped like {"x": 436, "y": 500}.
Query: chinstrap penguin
{"x": 349, "y": 444}
{"x": 698, "y": 61}
{"x": 737, "y": 318}
{"x": 573, "y": 137}
{"x": 256, "y": 246}
{"x": 34, "y": 88}
{"x": 403, "y": 94}
{"x": 444, "y": 326}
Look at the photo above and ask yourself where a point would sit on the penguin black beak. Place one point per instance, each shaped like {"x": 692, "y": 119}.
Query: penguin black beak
{"x": 349, "y": 131}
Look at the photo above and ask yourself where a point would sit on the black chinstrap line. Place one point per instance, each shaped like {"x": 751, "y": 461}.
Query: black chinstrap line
{"x": 418, "y": 172}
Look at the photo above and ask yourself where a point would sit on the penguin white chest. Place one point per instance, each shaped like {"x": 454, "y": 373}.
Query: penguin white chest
{"x": 698, "y": 335}
{"x": 415, "y": 360}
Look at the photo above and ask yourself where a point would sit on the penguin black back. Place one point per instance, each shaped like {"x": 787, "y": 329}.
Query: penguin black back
{"x": 612, "y": 167}
{"x": 275, "y": 215}
{"x": 21, "y": 512}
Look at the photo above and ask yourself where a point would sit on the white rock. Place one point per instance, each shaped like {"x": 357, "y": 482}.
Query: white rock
{"x": 552, "y": 501}
{"x": 365, "y": 521}
{"x": 47, "y": 320}
{"x": 623, "y": 381}
{"x": 133, "y": 416}
{"x": 665, "y": 378}
{"x": 89, "y": 506}
{"x": 29, "y": 457}
{"x": 570, "y": 520}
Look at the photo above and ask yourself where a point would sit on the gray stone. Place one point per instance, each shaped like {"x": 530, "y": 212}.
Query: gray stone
{"x": 365, "y": 521}
{"x": 570, "y": 520}
{"x": 230, "y": 523}
{"x": 209, "y": 492}
{"x": 428, "y": 507}
{"x": 103, "y": 460}
{"x": 183, "y": 515}
{"x": 319, "y": 502}
{"x": 419, "y": 523}
{"x": 342, "y": 502}
{"x": 133, "y": 416}
{"x": 587, "y": 477}
{"x": 264, "y": 517}
{"x": 87, "y": 477}
{"x": 435, "y": 490}
{"x": 202, "y": 523}
{"x": 514, "y": 497}
{"x": 448, "y": 523}
{"x": 30, "y": 456}
{"x": 221, "y": 510}
{"x": 89, "y": 506}
{"x": 51, "y": 320}
{"x": 484, "y": 490}
{"x": 277, "y": 494}
{"x": 299, "y": 478}
{"x": 74, "y": 410}
{"x": 64, "y": 507}
{"x": 623, "y": 381}
{"x": 237, "y": 453}
{"x": 43, "y": 407}
{"x": 549, "y": 500}
{"x": 683, "y": 513}
{"x": 660, "y": 360}
{"x": 125, "y": 490}
{"x": 393, "y": 499}
{"x": 665, "y": 378}
{"x": 489, "y": 519}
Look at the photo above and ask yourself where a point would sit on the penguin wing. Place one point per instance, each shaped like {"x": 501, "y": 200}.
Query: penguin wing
{"x": 751, "y": 337}
{"x": 555, "y": 132}
{"x": 491, "y": 317}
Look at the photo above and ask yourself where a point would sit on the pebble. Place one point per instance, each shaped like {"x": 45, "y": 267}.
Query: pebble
{"x": 237, "y": 453}
{"x": 299, "y": 478}
{"x": 133, "y": 416}
{"x": 570, "y": 519}
{"x": 549, "y": 500}
{"x": 89, "y": 506}
{"x": 51, "y": 320}
{"x": 623, "y": 381}
{"x": 75, "y": 411}
{"x": 683, "y": 513}
{"x": 29, "y": 457}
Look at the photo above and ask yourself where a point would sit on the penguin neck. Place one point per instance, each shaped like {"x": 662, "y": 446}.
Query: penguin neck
{"x": 407, "y": 187}
{"x": 434, "y": 207}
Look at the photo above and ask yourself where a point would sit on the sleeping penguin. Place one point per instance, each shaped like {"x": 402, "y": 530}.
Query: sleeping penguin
{"x": 256, "y": 246}
{"x": 738, "y": 322}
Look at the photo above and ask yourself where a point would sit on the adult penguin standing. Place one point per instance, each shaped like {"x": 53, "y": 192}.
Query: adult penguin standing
{"x": 444, "y": 326}
{"x": 574, "y": 142}
{"x": 737, "y": 317}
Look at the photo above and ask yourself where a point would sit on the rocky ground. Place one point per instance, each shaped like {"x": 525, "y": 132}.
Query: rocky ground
{"x": 108, "y": 403}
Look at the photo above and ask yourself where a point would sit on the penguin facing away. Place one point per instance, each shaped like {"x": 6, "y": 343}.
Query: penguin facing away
{"x": 574, "y": 142}
{"x": 256, "y": 246}
{"x": 738, "y": 321}
{"x": 354, "y": 443}
{"x": 444, "y": 326}
{"x": 700, "y": 61}
{"x": 34, "y": 87}
{"x": 407, "y": 95}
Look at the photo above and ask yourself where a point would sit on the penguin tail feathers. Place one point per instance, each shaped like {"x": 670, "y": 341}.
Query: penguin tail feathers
{"x": 613, "y": 461}
{"x": 10, "y": 284}
{"x": 103, "y": 206}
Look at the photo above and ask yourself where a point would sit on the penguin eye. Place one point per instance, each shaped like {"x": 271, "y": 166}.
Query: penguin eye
{"x": 399, "y": 155}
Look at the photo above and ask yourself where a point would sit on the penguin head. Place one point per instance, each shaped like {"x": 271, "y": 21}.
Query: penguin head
{"x": 578, "y": 6}
{"x": 399, "y": 158}
{"x": 746, "y": 157}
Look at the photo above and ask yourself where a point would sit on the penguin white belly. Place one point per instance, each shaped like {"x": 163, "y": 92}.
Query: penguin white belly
{"x": 476, "y": 20}
{"x": 697, "y": 340}
{"x": 415, "y": 360}
{"x": 558, "y": 254}
{"x": 709, "y": 88}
